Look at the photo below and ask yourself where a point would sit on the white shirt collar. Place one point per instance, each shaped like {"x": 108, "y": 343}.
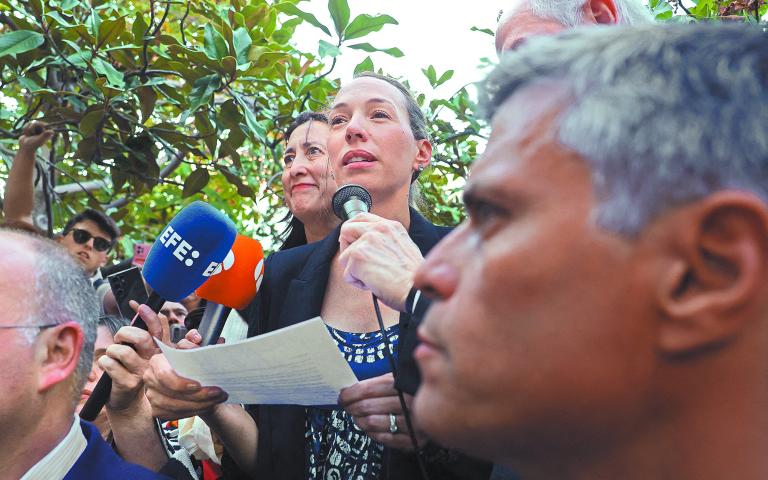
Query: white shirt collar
{"x": 60, "y": 460}
{"x": 96, "y": 276}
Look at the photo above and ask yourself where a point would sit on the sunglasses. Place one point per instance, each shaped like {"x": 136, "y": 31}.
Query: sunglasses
{"x": 99, "y": 244}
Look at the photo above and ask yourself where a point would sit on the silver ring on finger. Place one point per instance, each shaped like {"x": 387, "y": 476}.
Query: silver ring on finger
{"x": 393, "y": 429}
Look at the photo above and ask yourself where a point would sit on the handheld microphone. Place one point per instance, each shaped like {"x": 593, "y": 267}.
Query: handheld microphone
{"x": 185, "y": 254}
{"x": 351, "y": 200}
{"x": 233, "y": 284}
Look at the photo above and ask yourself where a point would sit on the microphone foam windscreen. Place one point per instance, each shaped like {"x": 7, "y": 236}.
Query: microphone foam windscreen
{"x": 235, "y": 282}
{"x": 345, "y": 193}
{"x": 188, "y": 250}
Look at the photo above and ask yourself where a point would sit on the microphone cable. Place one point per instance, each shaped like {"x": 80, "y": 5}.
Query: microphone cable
{"x": 406, "y": 412}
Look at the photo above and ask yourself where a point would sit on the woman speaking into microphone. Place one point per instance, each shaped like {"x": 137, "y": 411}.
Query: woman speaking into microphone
{"x": 378, "y": 140}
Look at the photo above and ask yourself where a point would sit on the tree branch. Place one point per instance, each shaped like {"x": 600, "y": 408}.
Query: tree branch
{"x": 164, "y": 172}
{"x": 181, "y": 25}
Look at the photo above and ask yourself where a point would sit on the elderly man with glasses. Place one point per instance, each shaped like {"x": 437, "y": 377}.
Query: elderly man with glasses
{"x": 47, "y": 330}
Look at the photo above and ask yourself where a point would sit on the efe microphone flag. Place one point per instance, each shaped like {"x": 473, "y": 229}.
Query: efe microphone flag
{"x": 236, "y": 280}
{"x": 188, "y": 251}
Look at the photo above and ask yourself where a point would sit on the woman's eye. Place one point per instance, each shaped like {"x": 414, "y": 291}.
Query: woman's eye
{"x": 288, "y": 159}
{"x": 314, "y": 151}
{"x": 337, "y": 120}
{"x": 380, "y": 114}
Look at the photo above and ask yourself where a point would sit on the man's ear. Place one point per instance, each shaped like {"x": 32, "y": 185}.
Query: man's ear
{"x": 601, "y": 12}
{"x": 716, "y": 273}
{"x": 59, "y": 350}
{"x": 424, "y": 153}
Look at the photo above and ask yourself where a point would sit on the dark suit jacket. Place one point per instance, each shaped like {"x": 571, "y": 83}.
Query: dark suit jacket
{"x": 98, "y": 460}
{"x": 295, "y": 281}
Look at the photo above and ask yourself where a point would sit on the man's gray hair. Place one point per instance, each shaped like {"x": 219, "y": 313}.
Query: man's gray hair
{"x": 63, "y": 293}
{"x": 571, "y": 12}
{"x": 663, "y": 115}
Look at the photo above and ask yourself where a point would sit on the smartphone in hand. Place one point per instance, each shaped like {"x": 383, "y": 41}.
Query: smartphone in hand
{"x": 128, "y": 285}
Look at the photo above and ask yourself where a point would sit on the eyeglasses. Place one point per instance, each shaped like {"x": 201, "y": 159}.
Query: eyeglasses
{"x": 99, "y": 244}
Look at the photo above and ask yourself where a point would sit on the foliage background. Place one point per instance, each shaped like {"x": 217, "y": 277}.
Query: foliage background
{"x": 159, "y": 103}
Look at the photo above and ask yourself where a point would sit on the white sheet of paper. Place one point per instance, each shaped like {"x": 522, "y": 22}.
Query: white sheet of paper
{"x": 297, "y": 365}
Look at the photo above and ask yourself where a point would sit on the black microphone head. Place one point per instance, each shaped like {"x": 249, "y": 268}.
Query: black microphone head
{"x": 349, "y": 200}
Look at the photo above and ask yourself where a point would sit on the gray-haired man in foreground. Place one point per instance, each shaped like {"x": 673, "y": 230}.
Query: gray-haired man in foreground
{"x": 47, "y": 331}
{"x": 603, "y": 313}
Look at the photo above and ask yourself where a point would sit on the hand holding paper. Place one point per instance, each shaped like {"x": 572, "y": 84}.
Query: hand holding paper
{"x": 297, "y": 365}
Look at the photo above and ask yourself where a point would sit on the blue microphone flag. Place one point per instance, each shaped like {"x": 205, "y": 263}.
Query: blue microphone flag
{"x": 188, "y": 250}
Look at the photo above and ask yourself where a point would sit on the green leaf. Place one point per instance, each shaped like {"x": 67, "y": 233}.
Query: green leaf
{"x": 90, "y": 122}
{"x": 19, "y": 41}
{"x": 69, "y": 4}
{"x": 444, "y": 77}
{"x": 59, "y": 19}
{"x": 242, "y": 189}
{"x": 284, "y": 35}
{"x": 364, "y": 24}
{"x": 119, "y": 177}
{"x": 326, "y": 49}
{"x": 242, "y": 42}
{"x": 109, "y": 30}
{"x": 80, "y": 58}
{"x": 93, "y": 23}
{"x": 114, "y": 77}
{"x": 364, "y": 66}
{"x": 430, "y": 74}
{"x": 147, "y": 99}
{"x": 292, "y": 9}
{"x": 215, "y": 45}
{"x": 195, "y": 182}
{"x": 229, "y": 115}
{"x": 487, "y": 31}
{"x": 202, "y": 91}
{"x": 28, "y": 83}
{"x": 228, "y": 65}
{"x": 256, "y": 131}
{"x": 395, "y": 52}
{"x": 339, "y": 10}
{"x": 138, "y": 29}
{"x": 254, "y": 15}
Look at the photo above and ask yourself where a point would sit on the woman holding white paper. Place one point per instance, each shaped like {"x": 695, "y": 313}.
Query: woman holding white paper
{"x": 378, "y": 139}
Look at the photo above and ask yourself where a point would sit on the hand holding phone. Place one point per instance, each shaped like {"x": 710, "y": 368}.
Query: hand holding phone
{"x": 128, "y": 285}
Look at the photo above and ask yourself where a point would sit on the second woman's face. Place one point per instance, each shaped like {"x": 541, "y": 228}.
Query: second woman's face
{"x": 371, "y": 141}
{"x": 307, "y": 180}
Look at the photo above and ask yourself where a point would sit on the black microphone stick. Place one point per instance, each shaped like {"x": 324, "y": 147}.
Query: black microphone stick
{"x": 213, "y": 322}
{"x": 100, "y": 395}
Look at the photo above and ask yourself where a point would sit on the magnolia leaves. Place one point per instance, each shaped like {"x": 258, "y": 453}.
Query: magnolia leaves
{"x": 19, "y": 41}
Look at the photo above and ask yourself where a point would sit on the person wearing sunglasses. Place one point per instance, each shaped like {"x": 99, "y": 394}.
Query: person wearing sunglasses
{"x": 89, "y": 236}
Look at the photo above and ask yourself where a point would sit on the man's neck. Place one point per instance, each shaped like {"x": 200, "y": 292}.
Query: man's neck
{"x": 23, "y": 447}
{"x": 714, "y": 430}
